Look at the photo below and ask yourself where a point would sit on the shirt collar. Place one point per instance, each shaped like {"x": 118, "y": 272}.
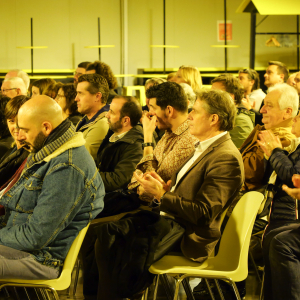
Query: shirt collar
{"x": 115, "y": 137}
{"x": 202, "y": 146}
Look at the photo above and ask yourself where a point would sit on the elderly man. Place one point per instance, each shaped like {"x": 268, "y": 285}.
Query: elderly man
{"x": 297, "y": 83}
{"x": 280, "y": 106}
{"x": 13, "y": 87}
{"x": 198, "y": 193}
{"x": 21, "y": 74}
{"x": 50, "y": 198}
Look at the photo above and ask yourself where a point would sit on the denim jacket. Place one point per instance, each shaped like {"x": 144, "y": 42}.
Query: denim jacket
{"x": 51, "y": 202}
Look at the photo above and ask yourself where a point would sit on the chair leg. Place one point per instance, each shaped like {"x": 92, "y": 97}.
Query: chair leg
{"x": 168, "y": 286}
{"x": 6, "y": 292}
{"x": 26, "y": 293}
{"x": 16, "y": 293}
{"x": 254, "y": 265}
{"x": 209, "y": 289}
{"x": 145, "y": 296}
{"x": 219, "y": 289}
{"x": 187, "y": 289}
{"x": 37, "y": 294}
{"x": 76, "y": 276}
{"x": 261, "y": 296}
{"x": 178, "y": 281}
{"x": 236, "y": 291}
{"x": 156, "y": 287}
{"x": 43, "y": 293}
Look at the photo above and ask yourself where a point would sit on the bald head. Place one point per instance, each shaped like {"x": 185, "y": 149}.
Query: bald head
{"x": 37, "y": 118}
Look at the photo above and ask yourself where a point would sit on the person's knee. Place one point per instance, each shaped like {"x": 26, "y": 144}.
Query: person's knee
{"x": 278, "y": 249}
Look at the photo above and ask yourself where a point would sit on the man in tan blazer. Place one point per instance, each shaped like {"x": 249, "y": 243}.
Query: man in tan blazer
{"x": 208, "y": 181}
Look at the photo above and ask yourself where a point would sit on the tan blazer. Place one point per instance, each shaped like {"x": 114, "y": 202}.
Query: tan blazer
{"x": 203, "y": 193}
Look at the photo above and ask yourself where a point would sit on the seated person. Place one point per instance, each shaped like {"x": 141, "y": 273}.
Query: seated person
{"x": 244, "y": 119}
{"x": 151, "y": 82}
{"x": 92, "y": 93}
{"x": 280, "y": 106}
{"x": 169, "y": 112}
{"x": 281, "y": 237}
{"x": 13, "y": 86}
{"x": 48, "y": 201}
{"x": 40, "y": 87}
{"x": 101, "y": 68}
{"x": 121, "y": 149}
{"x": 190, "y": 75}
{"x": 16, "y": 155}
{"x": 195, "y": 198}
{"x": 6, "y": 139}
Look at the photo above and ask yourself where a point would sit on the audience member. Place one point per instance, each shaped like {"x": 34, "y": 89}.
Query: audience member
{"x": 281, "y": 237}
{"x": 66, "y": 100}
{"x": 191, "y": 96}
{"x": 291, "y": 79}
{"x": 121, "y": 149}
{"x": 192, "y": 202}
{"x": 171, "y": 77}
{"x": 189, "y": 75}
{"x": 280, "y": 106}
{"x": 40, "y": 86}
{"x": 16, "y": 155}
{"x": 104, "y": 70}
{"x": 92, "y": 94}
{"x": 6, "y": 139}
{"x": 249, "y": 79}
{"x": 244, "y": 119}
{"x": 52, "y": 203}
{"x": 169, "y": 112}
{"x": 13, "y": 86}
{"x": 151, "y": 82}
{"x": 297, "y": 83}
{"x": 19, "y": 73}
{"x": 277, "y": 72}
{"x": 80, "y": 70}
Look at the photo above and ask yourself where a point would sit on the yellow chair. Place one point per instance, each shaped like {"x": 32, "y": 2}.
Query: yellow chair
{"x": 60, "y": 283}
{"x": 231, "y": 262}
{"x": 140, "y": 92}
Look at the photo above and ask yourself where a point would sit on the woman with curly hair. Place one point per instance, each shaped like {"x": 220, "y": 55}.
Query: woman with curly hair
{"x": 104, "y": 70}
{"x": 66, "y": 100}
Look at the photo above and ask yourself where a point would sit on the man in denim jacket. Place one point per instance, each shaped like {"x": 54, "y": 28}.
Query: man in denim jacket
{"x": 53, "y": 195}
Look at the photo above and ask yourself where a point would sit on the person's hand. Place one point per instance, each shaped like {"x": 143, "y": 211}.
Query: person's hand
{"x": 150, "y": 185}
{"x": 166, "y": 186}
{"x": 268, "y": 142}
{"x": 247, "y": 103}
{"x": 294, "y": 193}
{"x": 149, "y": 123}
{"x": 296, "y": 180}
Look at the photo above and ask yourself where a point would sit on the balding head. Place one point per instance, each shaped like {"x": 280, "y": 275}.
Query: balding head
{"x": 37, "y": 118}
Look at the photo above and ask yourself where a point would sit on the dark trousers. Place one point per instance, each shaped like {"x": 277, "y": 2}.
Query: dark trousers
{"x": 281, "y": 250}
{"x": 97, "y": 282}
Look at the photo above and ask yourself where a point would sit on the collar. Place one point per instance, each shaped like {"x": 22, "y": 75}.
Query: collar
{"x": 285, "y": 123}
{"x": 182, "y": 128}
{"x": 104, "y": 108}
{"x": 202, "y": 146}
{"x": 114, "y": 138}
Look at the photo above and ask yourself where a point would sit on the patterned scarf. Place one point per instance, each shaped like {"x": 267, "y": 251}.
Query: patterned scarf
{"x": 60, "y": 135}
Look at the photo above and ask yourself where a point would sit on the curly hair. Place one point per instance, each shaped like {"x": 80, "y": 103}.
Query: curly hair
{"x": 169, "y": 94}
{"x": 4, "y": 131}
{"x": 232, "y": 86}
{"x": 104, "y": 70}
{"x": 70, "y": 95}
{"x": 97, "y": 84}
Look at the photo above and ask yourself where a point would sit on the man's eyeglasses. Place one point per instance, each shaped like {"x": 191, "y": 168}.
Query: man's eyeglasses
{"x": 4, "y": 91}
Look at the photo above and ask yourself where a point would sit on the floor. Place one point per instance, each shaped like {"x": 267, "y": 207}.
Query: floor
{"x": 252, "y": 288}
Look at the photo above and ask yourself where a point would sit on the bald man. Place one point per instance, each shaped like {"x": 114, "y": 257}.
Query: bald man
{"x": 52, "y": 196}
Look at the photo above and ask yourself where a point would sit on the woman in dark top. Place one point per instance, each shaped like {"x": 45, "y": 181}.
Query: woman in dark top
{"x": 66, "y": 100}
{"x": 281, "y": 165}
{"x": 15, "y": 156}
{"x": 6, "y": 139}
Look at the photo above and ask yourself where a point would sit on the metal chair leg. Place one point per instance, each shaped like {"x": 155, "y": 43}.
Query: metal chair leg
{"x": 6, "y": 291}
{"x": 261, "y": 296}
{"x": 187, "y": 289}
{"x": 254, "y": 265}
{"x": 145, "y": 296}
{"x": 37, "y": 294}
{"x": 178, "y": 281}
{"x": 219, "y": 289}
{"x": 16, "y": 293}
{"x": 168, "y": 286}
{"x": 76, "y": 276}
{"x": 236, "y": 291}
{"x": 156, "y": 286}
{"x": 209, "y": 289}
{"x": 26, "y": 293}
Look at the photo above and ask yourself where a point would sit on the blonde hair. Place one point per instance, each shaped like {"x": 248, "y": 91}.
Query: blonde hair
{"x": 192, "y": 76}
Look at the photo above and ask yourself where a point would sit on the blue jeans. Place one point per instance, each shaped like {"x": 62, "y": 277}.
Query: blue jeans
{"x": 21, "y": 265}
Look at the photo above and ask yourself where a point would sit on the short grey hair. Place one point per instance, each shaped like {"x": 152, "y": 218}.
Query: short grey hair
{"x": 23, "y": 75}
{"x": 189, "y": 93}
{"x": 18, "y": 83}
{"x": 288, "y": 98}
{"x": 154, "y": 81}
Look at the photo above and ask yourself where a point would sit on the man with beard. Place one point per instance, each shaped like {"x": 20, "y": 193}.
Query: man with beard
{"x": 121, "y": 149}
{"x": 92, "y": 95}
{"x": 50, "y": 198}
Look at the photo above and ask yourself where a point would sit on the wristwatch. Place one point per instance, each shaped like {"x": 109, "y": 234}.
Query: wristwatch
{"x": 147, "y": 145}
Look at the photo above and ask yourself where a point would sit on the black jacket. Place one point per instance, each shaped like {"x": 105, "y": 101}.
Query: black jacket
{"x": 5, "y": 145}
{"x": 117, "y": 161}
{"x": 11, "y": 163}
{"x": 284, "y": 207}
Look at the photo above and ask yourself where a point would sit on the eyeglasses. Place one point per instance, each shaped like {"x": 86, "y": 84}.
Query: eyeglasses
{"x": 4, "y": 91}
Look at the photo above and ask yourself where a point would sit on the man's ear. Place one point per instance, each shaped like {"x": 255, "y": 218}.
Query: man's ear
{"x": 170, "y": 111}
{"x": 288, "y": 113}
{"x": 126, "y": 121}
{"x": 18, "y": 91}
{"x": 282, "y": 77}
{"x": 47, "y": 128}
{"x": 214, "y": 119}
{"x": 99, "y": 97}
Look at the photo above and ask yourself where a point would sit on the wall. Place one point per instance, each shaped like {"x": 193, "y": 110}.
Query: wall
{"x": 66, "y": 26}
